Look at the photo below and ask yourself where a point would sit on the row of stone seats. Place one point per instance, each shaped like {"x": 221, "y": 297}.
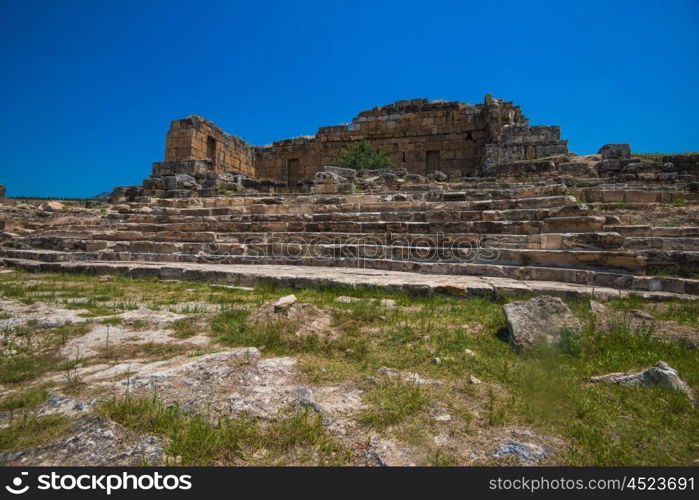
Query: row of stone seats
{"x": 519, "y": 271}
{"x": 523, "y": 232}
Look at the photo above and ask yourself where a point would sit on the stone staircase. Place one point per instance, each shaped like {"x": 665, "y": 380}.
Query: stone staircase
{"x": 519, "y": 231}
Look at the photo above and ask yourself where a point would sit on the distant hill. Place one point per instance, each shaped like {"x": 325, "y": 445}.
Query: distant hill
{"x": 101, "y": 197}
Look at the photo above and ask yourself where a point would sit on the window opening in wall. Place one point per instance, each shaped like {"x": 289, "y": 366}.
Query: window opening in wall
{"x": 211, "y": 148}
{"x": 293, "y": 172}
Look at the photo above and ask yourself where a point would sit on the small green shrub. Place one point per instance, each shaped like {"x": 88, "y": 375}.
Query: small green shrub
{"x": 363, "y": 156}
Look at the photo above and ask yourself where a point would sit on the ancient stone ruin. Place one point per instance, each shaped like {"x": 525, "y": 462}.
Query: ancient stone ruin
{"x": 480, "y": 202}
{"x": 440, "y": 139}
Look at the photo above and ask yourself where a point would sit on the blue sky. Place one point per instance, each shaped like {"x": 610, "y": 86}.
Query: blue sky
{"x": 88, "y": 88}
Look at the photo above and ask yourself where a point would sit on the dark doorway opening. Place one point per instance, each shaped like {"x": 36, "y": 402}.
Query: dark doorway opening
{"x": 293, "y": 172}
{"x": 431, "y": 162}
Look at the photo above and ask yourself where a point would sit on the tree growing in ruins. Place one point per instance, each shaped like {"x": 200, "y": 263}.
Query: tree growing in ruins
{"x": 363, "y": 156}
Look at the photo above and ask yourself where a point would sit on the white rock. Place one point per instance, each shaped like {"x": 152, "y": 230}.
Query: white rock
{"x": 285, "y": 302}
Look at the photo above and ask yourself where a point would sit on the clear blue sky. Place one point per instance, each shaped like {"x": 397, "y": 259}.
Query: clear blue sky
{"x": 88, "y": 88}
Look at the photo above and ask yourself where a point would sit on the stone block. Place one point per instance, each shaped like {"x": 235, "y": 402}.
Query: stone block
{"x": 615, "y": 151}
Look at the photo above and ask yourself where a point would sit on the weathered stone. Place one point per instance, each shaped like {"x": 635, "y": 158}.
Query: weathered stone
{"x": 52, "y": 206}
{"x": 440, "y": 176}
{"x": 528, "y": 453}
{"x": 660, "y": 375}
{"x": 539, "y": 322}
{"x": 408, "y": 377}
{"x": 284, "y": 302}
{"x": 615, "y": 151}
{"x": 93, "y": 441}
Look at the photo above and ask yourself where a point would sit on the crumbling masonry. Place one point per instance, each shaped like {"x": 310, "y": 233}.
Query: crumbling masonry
{"x": 422, "y": 137}
{"x": 479, "y": 204}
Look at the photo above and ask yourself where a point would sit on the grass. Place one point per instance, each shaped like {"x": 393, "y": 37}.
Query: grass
{"x": 197, "y": 440}
{"x": 234, "y": 328}
{"x": 24, "y": 399}
{"x": 30, "y": 431}
{"x": 600, "y": 424}
{"x": 185, "y": 328}
{"x": 391, "y": 403}
{"x": 151, "y": 350}
{"x": 25, "y": 367}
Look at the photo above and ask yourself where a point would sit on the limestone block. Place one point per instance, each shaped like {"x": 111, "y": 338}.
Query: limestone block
{"x": 615, "y": 151}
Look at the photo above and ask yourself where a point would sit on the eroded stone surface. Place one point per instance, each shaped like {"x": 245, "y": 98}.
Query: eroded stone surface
{"x": 93, "y": 441}
{"x": 539, "y": 322}
{"x": 660, "y": 375}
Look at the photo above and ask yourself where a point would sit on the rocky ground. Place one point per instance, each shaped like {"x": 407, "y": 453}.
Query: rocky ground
{"x": 111, "y": 370}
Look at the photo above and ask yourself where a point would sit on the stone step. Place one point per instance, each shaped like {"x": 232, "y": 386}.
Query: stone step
{"x": 579, "y": 259}
{"x": 208, "y": 231}
{"x": 593, "y": 278}
{"x": 399, "y": 224}
{"x": 308, "y": 276}
{"x": 628, "y": 196}
{"x": 378, "y": 206}
{"x": 654, "y": 231}
{"x": 550, "y": 241}
{"x": 407, "y": 216}
{"x": 451, "y": 193}
{"x": 662, "y": 243}
{"x": 611, "y": 207}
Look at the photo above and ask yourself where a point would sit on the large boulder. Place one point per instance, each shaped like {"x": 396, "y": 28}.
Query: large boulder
{"x": 539, "y": 322}
{"x": 615, "y": 151}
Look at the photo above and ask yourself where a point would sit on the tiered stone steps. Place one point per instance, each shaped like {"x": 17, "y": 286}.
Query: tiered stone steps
{"x": 518, "y": 232}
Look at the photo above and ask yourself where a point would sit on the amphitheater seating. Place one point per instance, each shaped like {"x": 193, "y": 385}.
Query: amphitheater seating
{"x": 520, "y": 230}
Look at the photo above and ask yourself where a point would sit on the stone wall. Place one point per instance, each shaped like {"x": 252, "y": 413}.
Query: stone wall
{"x": 422, "y": 137}
{"x": 686, "y": 163}
{"x": 195, "y": 138}
{"x": 521, "y": 142}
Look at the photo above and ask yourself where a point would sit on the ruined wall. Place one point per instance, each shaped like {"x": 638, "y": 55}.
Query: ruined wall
{"x": 195, "y": 138}
{"x": 421, "y": 137}
{"x": 521, "y": 142}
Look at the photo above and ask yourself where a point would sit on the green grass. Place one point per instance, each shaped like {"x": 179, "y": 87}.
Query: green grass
{"x": 24, "y": 400}
{"x": 185, "y": 328}
{"x": 197, "y": 440}
{"x": 112, "y": 321}
{"x": 24, "y": 367}
{"x": 609, "y": 425}
{"x": 234, "y": 328}
{"x": 390, "y": 403}
{"x": 600, "y": 424}
{"x": 30, "y": 431}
